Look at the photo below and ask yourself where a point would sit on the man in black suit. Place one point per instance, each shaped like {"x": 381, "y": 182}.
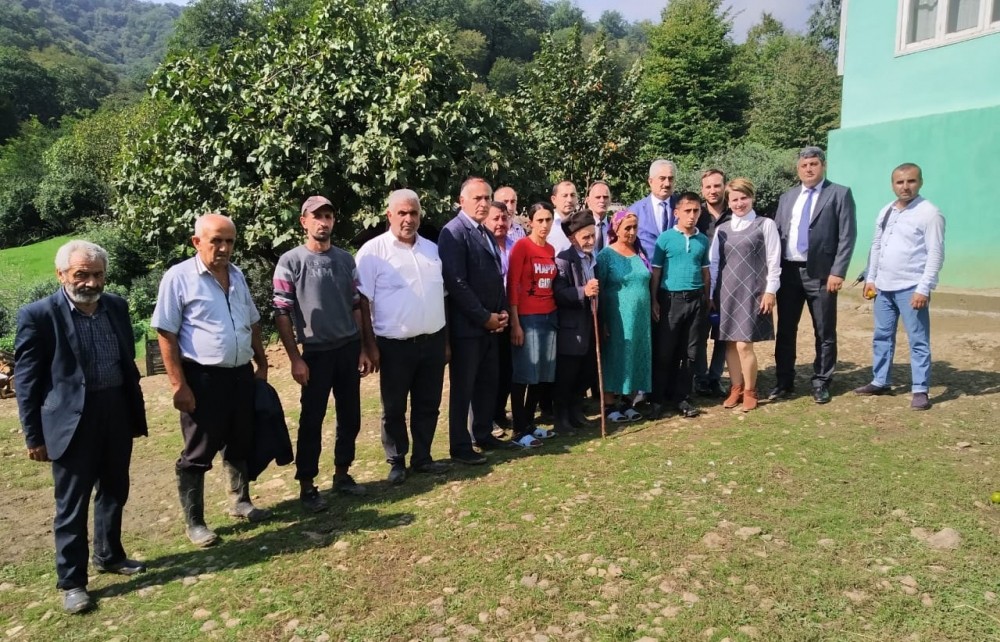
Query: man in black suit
{"x": 818, "y": 227}
{"x": 575, "y": 287}
{"x": 80, "y": 406}
{"x": 477, "y": 312}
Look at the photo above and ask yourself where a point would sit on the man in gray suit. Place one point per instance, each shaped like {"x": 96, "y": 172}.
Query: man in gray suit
{"x": 817, "y": 224}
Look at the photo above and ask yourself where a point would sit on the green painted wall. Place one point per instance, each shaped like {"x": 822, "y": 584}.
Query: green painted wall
{"x": 880, "y": 86}
{"x": 959, "y": 153}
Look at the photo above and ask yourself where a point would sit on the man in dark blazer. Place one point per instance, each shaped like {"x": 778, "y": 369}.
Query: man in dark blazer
{"x": 574, "y": 288}
{"x": 477, "y": 312}
{"x": 656, "y": 211}
{"x": 818, "y": 227}
{"x": 80, "y": 406}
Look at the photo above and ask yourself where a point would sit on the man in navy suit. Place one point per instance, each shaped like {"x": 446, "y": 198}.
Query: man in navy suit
{"x": 477, "y": 312}
{"x": 80, "y": 406}
{"x": 818, "y": 227}
{"x": 656, "y": 211}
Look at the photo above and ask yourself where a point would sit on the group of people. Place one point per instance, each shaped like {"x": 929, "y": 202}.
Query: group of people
{"x": 514, "y": 310}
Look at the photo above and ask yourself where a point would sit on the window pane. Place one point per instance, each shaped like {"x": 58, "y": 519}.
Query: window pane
{"x": 962, "y": 14}
{"x": 922, "y": 20}
{"x": 996, "y": 11}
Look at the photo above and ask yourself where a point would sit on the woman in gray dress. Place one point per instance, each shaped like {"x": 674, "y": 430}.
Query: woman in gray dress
{"x": 745, "y": 264}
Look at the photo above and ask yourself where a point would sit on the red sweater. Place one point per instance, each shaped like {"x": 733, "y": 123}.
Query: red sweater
{"x": 530, "y": 276}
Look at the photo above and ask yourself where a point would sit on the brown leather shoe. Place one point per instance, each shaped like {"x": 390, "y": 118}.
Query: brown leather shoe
{"x": 735, "y": 396}
{"x": 749, "y": 400}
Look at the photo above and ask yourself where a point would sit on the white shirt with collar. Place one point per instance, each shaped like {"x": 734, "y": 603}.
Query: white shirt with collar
{"x": 557, "y": 238}
{"x": 213, "y": 327}
{"x": 404, "y": 284}
{"x": 661, "y": 224}
{"x": 791, "y": 251}
{"x": 772, "y": 250}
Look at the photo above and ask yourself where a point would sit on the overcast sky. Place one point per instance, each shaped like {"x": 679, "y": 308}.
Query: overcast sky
{"x": 746, "y": 13}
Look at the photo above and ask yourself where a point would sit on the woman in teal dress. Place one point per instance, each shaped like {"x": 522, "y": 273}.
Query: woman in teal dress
{"x": 626, "y": 340}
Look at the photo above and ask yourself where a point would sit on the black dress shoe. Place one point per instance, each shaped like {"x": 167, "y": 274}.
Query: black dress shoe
{"x": 490, "y": 443}
{"x": 124, "y": 567}
{"x": 470, "y": 458}
{"x": 821, "y": 394}
{"x": 77, "y": 600}
{"x": 779, "y": 392}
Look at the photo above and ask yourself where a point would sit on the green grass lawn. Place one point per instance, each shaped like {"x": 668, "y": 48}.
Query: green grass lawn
{"x": 25, "y": 266}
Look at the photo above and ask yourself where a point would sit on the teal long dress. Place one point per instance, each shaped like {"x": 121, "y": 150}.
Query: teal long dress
{"x": 627, "y": 350}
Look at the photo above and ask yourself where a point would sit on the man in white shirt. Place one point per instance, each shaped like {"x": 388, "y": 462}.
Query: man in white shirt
{"x": 906, "y": 257}
{"x": 565, "y": 201}
{"x": 399, "y": 273}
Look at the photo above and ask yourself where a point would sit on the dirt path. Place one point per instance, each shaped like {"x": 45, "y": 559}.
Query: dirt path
{"x": 965, "y": 345}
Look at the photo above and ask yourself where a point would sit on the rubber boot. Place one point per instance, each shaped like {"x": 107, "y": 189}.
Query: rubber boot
{"x": 735, "y": 396}
{"x": 191, "y": 489}
{"x": 239, "y": 493}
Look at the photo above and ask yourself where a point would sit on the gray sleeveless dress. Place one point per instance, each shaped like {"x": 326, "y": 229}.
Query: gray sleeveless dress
{"x": 742, "y": 278}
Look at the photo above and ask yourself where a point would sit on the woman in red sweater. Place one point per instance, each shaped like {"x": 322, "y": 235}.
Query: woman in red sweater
{"x": 533, "y": 322}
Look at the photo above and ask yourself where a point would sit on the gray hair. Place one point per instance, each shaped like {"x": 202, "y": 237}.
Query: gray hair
{"x": 90, "y": 251}
{"x": 813, "y": 152}
{"x": 199, "y": 223}
{"x": 403, "y": 196}
{"x": 661, "y": 162}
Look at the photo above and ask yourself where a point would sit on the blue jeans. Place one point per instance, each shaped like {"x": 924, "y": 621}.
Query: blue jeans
{"x": 889, "y": 307}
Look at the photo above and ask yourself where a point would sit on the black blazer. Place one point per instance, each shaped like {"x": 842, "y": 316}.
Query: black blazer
{"x": 576, "y": 322}
{"x": 50, "y": 386}
{"x": 471, "y": 277}
{"x": 832, "y": 232}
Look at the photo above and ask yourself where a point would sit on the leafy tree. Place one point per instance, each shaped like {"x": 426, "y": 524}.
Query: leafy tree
{"x": 824, "y": 25}
{"x": 358, "y": 102}
{"x": 470, "y": 48}
{"x": 580, "y": 122}
{"x": 696, "y": 100}
{"x": 505, "y": 76}
{"x": 21, "y": 173}
{"x": 26, "y": 89}
{"x": 613, "y": 23}
{"x": 564, "y": 14}
{"x": 772, "y": 172}
{"x": 217, "y": 23}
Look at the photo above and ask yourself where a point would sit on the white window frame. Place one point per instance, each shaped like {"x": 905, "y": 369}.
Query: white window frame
{"x": 984, "y": 27}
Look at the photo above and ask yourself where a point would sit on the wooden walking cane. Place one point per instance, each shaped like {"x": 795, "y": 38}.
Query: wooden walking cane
{"x": 600, "y": 371}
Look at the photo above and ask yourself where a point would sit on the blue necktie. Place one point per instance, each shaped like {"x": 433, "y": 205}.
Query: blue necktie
{"x": 802, "y": 243}
{"x": 666, "y": 216}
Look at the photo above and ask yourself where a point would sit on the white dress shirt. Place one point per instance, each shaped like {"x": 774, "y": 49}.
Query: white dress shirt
{"x": 557, "y": 238}
{"x": 791, "y": 250}
{"x": 661, "y": 224}
{"x": 404, "y": 285}
{"x": 772, "y": 247}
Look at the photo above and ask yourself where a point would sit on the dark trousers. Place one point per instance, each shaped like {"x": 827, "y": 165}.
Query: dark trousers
{"x": 706, "y": 372}
{"x": 333, "y": 371}
{"x": 223, "y": 415}
{"x": 506, "y": 372}
{"x": 411, "y": 368}
{"x": 798, "y": 288}
{"x": 677, "y": 344}
{"x": 574, "y": 375}
{"x": 473, "y": 376}
{"x": 97, "y": 458}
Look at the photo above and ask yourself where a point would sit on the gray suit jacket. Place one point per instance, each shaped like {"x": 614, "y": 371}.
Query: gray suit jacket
{"x": 832, "y": 232}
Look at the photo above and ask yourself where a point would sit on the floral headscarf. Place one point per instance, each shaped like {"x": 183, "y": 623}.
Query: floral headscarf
{"x": 616, "y": 221}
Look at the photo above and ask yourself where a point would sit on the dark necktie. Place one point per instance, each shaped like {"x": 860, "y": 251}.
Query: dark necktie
{"x": 489, "y": 243}
{"x": 802, "y": 242}
{"x": 600, "y": 235}
{"x": 666, "y": 217}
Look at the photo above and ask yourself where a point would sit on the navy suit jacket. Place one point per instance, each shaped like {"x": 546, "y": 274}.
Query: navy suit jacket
{"x": 471, "y": 276}
{"x": 832, "y": 231}
{"x": 649, "y": 225}
{"x": 576, "y": 325}
{"x": 50, "y": 385}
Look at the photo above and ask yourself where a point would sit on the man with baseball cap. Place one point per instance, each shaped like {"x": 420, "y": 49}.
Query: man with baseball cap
{"x": 315, "y": 290}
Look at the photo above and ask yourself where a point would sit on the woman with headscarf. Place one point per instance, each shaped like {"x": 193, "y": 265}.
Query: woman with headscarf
{"x": 745, "y": 265}
{"x": 626, "y": 348}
